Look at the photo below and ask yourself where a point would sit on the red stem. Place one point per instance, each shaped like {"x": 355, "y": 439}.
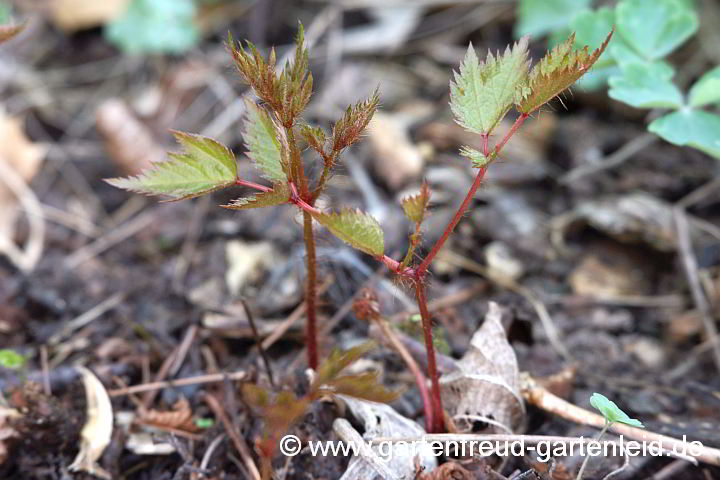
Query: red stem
{"x": 310, "y": 297}
{"x": 437, "y": 419}
{"x": 420, "y": 271}
{"x": 518, "y": 123}
{"x": 256, "y": 186}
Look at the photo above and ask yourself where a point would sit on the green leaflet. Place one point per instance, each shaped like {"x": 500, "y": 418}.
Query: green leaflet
{"x": 611, "y": 411}
{"x": 706, "y": 90}
{"x": 557, "y": 70}
{"x": 205, "y": 166}
{"x": 646, "y": 86}
{"x": 482, "y": 93}
{"x": 356, "y": 228}
{"x": 277, "y": 196}
{"x": 655, "y": 28}
{"x": 155, "y": 26}
{"x": 11, "y": 359}
{"x": 694, "y": 128}
{"x": 478, "y": 159}
{"x": 261, "y": 140}
{"x": 538, "y": 17}
{"x": 416, "y": 205}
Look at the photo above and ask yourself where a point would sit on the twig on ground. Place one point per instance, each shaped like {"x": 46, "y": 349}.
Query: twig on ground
{"x": 543, "y": 399}
{"x": 258, "y": 343}
{"x": 634, "y": 146}
{"x": 693, "y": 279}
{"x": 551, "y": 330}
{"x": 194, "y": 229}
{"x": 85, "y": 318}
{"x": 237, "y": 439}
{"x": 180, "y": 382}
{"x": 45, "y": 370}
{"x": 172, "y": 363}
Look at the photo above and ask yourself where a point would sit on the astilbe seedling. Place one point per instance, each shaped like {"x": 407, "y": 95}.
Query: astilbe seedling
{"x": 482, "y": 94}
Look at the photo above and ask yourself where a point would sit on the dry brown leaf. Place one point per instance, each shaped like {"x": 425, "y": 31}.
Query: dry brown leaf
{"x": 395, "y": 159}
{"x": 9, "y": 31}
{"x": 97, "y": 432}
{"x": 179, "y": 418}
{"x": 128, "y": 141}
{"x": 72, "y": 15}
{"x": 486, "y": 386}
{"x": 446, "y": 471}
{"x": 6, "y": 431}
{"x": 20, "y": 159}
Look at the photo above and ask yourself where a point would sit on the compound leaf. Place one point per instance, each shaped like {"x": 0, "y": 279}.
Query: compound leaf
{"x": 277, "y": 196}
{"x": 646, "y": 86}
{"x": 538, "y": 17}
{"x": 656, "y": 28}
{"x": 694, "y": 128}
{"x": 356, "y": 228}
{"x": 155, "y": 26}
{"x": 557, "y": 70}
{"x": 483, "y": 92}
{"x": 261, "y": 140}
{"x": 611, "y": 411}
{"x": 591, "y": 29}
{"x": 338, "y": 361}
{"x": 205, "y": 165}
{"x": 707, "y": 89}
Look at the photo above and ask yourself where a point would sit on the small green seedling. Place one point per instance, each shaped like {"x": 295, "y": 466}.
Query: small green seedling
{"x": 612, "y": 414}
{"x": 276, "y": 136}
{"x": 11, "y": 360}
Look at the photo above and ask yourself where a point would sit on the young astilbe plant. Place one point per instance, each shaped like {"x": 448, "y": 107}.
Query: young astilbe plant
{"x": 482, "y": 94}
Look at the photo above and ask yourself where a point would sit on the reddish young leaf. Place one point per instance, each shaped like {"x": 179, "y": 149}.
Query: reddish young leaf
{"x": 348, "y": 129}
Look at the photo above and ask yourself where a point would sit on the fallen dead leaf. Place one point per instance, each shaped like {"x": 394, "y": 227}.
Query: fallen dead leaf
{"x": 486, "y": 386}
{"x": 245, "y": 262}
{"x": 179, "y": 418}
{"x": 72, "y": 15}
{"x": 6, "y": 431}
{"x": 128, "y": 141}
{"x": 20, "y": 159}
{"x": 97, "y": 432}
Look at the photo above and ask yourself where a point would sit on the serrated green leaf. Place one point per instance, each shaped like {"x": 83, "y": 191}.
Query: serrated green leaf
{"x": 482, "y": 93}
{"x": 416, "y": 205}
{"x": 205, "y": 166}
{"x": 261, "y": 140}
{"x": 591, "y": 29}
{"x": 706, "y": 90}
{"x": 538, "y": 17}
{"x": 277, "y": 196}
{"x": 611, "y": 411}
{"x": 356, "y": 228}
{"x": 364, "y": 386}
{"x": 694, "y": 128}
{"x": 655, "y": 28}
{"x": 148, "y": 26}
{"x": 646, "y": 86}
{"x": 478, "y": 159}
{"x": 313, "y": 136}
{"x": 557, "y": 71}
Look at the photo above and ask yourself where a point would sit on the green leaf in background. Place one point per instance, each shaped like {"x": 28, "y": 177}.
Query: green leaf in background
{"x": 277, "y": 196}
{"x": 706, "y": 90}
{"x": 624, "y": 55}
{"x": 482, "y": 93}
{"x": 591, "y": 29}
{"x": 155, "y": 26}
{"x": 261, "y": 140}
{"x": 597, "y": 78}
{"x": 5, "y": 11}
{"x": 611, "y": 411}
{"x": 557, "y": 71}
{"x": 205, "y": 166}
{"x": 646, "y": 86}
{"x": 538, "y": 17}
{"x": 11, "y": 359}
{"x": 358, "y": 229}
{"x": 655, "y": 28}
{"x": 694, "y": 128}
